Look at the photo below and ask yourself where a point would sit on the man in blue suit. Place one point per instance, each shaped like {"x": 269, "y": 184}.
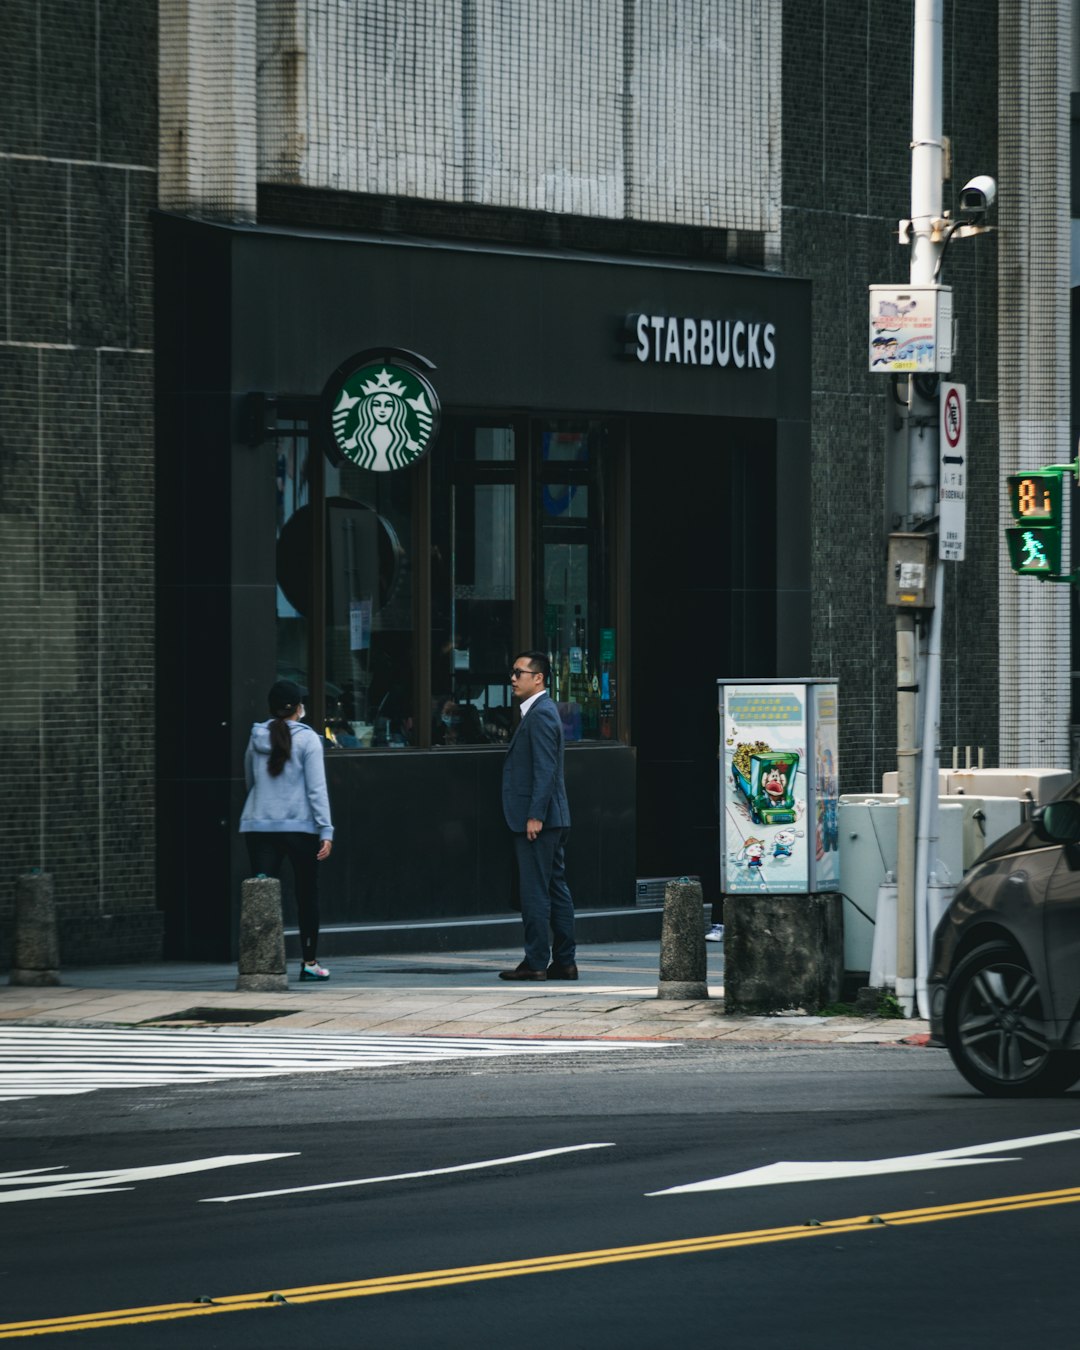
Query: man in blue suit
{"x": 536, "y": 810}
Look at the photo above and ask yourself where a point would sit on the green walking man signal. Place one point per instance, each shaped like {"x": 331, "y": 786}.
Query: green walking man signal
{"x": 1035, "y": 540}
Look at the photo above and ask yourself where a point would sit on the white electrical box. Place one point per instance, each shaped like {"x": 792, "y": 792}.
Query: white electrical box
{"x": 1043, "y": 784}
{"x": 967, "y": 826}
{"x": 911, "y": 329}
{"x": 868, "y": 848}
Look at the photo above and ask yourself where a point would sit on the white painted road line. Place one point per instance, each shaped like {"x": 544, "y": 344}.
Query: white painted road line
{"x": 35, "y": 1186}
{"x": 785, "y": 1173}
{"x": 61, "y": 1061}
{"x": 406, "y": 1176}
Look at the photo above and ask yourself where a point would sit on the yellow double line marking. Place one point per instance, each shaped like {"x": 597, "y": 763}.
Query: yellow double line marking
{"x": 434, "y": 1279}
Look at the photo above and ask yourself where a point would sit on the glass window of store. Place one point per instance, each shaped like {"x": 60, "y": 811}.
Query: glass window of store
{"x": 514, "y": 519}
{"x": 575, "y": 594}
{"x": 370, "y": 639}
{"x": 473, "y": 581}
{"x": 362, "y": 651}
{"x": 292, "y": 498}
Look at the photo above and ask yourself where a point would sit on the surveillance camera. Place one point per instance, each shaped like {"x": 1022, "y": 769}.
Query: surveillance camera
{"x": 977, "y": 196}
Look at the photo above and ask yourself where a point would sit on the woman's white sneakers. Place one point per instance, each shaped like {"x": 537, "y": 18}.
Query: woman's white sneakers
{"x": 311, "y": 970}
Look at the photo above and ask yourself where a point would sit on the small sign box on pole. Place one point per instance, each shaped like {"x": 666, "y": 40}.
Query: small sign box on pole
{"x": 952, "y": 473}
{"x": 779, "y": 792}
{"x": 910, "y": 329}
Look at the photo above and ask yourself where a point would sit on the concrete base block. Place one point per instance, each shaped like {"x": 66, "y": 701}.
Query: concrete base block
{"x": 262, "y": 984}
{"x": 782, "y": 951}
{"x": 36, "y": 957}
{"x": 686, "y": 989}
{"x": 34, "y": 977}
{"x": 683, "y": 969}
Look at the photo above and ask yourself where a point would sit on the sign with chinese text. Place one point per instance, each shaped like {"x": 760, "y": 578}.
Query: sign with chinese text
{"x": 952, "y": 473}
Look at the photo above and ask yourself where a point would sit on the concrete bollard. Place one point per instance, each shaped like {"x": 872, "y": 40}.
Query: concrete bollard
{"x": 262, "y": 936}
{"x": 36, "y": 958}
{"x": 683, "y": 972}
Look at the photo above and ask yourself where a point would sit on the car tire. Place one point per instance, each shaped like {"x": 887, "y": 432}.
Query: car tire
{"x": 995, "y": 1027}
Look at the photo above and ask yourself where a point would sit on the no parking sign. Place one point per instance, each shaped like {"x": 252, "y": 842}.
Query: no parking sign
{"x": 952, "y": 473}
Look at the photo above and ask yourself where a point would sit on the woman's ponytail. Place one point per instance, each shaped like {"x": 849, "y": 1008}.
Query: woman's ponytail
{"x": 284, "y": 700}
{"x": 280, "y": 745}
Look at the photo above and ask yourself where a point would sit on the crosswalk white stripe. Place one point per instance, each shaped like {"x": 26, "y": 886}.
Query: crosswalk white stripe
{"x": 65, "y": 1061}
{"x": 324, "y": 1042}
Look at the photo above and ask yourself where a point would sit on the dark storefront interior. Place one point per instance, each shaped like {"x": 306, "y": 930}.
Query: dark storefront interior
{"x": 650, "y": 550}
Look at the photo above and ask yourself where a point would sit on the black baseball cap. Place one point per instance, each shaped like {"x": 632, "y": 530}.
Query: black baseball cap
{"x": 284, "y": 695}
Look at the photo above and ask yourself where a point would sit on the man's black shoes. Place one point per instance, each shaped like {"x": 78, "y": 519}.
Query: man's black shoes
{"x": 562, "y": 972}
{"x": 524, "y": 972}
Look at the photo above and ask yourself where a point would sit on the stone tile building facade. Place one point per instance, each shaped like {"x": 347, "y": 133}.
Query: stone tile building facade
{"x": 78, "y": 179}
{"x": 807, "y": 159}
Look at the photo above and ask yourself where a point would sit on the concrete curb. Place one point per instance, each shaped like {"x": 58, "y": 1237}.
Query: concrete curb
{"x": 539, "y": 1013}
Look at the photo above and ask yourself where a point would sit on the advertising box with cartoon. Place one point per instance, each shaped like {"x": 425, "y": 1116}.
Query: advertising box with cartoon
{"x": 778, "y": 786}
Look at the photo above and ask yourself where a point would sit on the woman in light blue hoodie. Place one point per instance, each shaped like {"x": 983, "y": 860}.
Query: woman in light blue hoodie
{"x": 287, "y": 812}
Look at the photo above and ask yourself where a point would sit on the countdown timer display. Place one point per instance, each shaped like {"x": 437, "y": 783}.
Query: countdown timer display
{"x": 1035, "y": 498}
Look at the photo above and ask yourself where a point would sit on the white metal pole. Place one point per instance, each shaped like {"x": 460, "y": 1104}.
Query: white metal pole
{"x": 926, "y": 845}
{"x": 927, "y": 159}
{"x": 927, "y": 150}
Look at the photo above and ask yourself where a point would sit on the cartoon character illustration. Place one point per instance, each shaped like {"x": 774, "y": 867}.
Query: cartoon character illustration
{"x": 917, "y": 350}
{"x": 764, "y": 779}
{"x": 774, "y": 783}
{"x": 884, "y": 350}
{"x": 889, "y": 309}
{"x": 832, "y": 825}
{"x": 784, "y": 843}
{"x": 753, "y": 853}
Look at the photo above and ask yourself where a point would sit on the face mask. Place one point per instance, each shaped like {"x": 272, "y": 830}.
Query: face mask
{"x": 449, "y": 721}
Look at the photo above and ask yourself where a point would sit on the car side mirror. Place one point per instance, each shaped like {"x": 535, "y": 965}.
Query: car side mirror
{"x": 1059, "y": 822}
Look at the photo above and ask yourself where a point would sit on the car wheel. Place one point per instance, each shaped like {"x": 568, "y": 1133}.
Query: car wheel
{"x": 995, "y": 1028}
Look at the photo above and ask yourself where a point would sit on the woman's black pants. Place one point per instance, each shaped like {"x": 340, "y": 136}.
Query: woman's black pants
{"x": 268, "y": 851}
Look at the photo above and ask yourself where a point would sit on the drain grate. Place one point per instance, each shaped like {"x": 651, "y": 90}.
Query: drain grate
{"x": 219, "y": 1016}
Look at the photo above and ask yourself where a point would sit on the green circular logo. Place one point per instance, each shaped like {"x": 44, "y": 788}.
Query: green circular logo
{"x": 383, "y": 415}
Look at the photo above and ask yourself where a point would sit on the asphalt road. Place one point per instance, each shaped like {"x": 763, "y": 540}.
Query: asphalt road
{"x": 457, "y": 1168}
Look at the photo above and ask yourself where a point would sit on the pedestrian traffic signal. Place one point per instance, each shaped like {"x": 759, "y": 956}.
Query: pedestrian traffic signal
{"x": 1035, "y": 540}
{"x": 1035, "y": 551}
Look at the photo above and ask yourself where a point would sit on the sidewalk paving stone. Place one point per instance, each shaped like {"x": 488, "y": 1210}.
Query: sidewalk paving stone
{"x": 450, "y": 994}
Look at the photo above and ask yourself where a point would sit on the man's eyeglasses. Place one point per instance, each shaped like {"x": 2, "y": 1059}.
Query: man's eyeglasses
{"x": 521, "y": 670}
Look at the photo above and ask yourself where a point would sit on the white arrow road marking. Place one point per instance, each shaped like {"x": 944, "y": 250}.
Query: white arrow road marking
{"x": 780, "y": 1173}
{"x": 406, "y": 1176}
{"x": 52, "y": 1187}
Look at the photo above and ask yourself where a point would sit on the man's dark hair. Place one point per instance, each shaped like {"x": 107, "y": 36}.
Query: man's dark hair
{"x": 538, "y": 664}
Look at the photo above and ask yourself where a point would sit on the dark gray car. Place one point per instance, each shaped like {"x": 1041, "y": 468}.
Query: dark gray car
{"x": 1004, "y": 980}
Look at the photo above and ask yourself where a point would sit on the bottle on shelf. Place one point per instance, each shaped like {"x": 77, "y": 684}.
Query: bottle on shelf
{"x": 607, "y": 702}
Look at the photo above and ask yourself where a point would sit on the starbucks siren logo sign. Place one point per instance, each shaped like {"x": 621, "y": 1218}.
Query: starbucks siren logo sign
{"x": 383, "y": 414}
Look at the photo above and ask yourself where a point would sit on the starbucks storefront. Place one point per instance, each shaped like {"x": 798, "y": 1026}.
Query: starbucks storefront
{"x": 385, "y": 466}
